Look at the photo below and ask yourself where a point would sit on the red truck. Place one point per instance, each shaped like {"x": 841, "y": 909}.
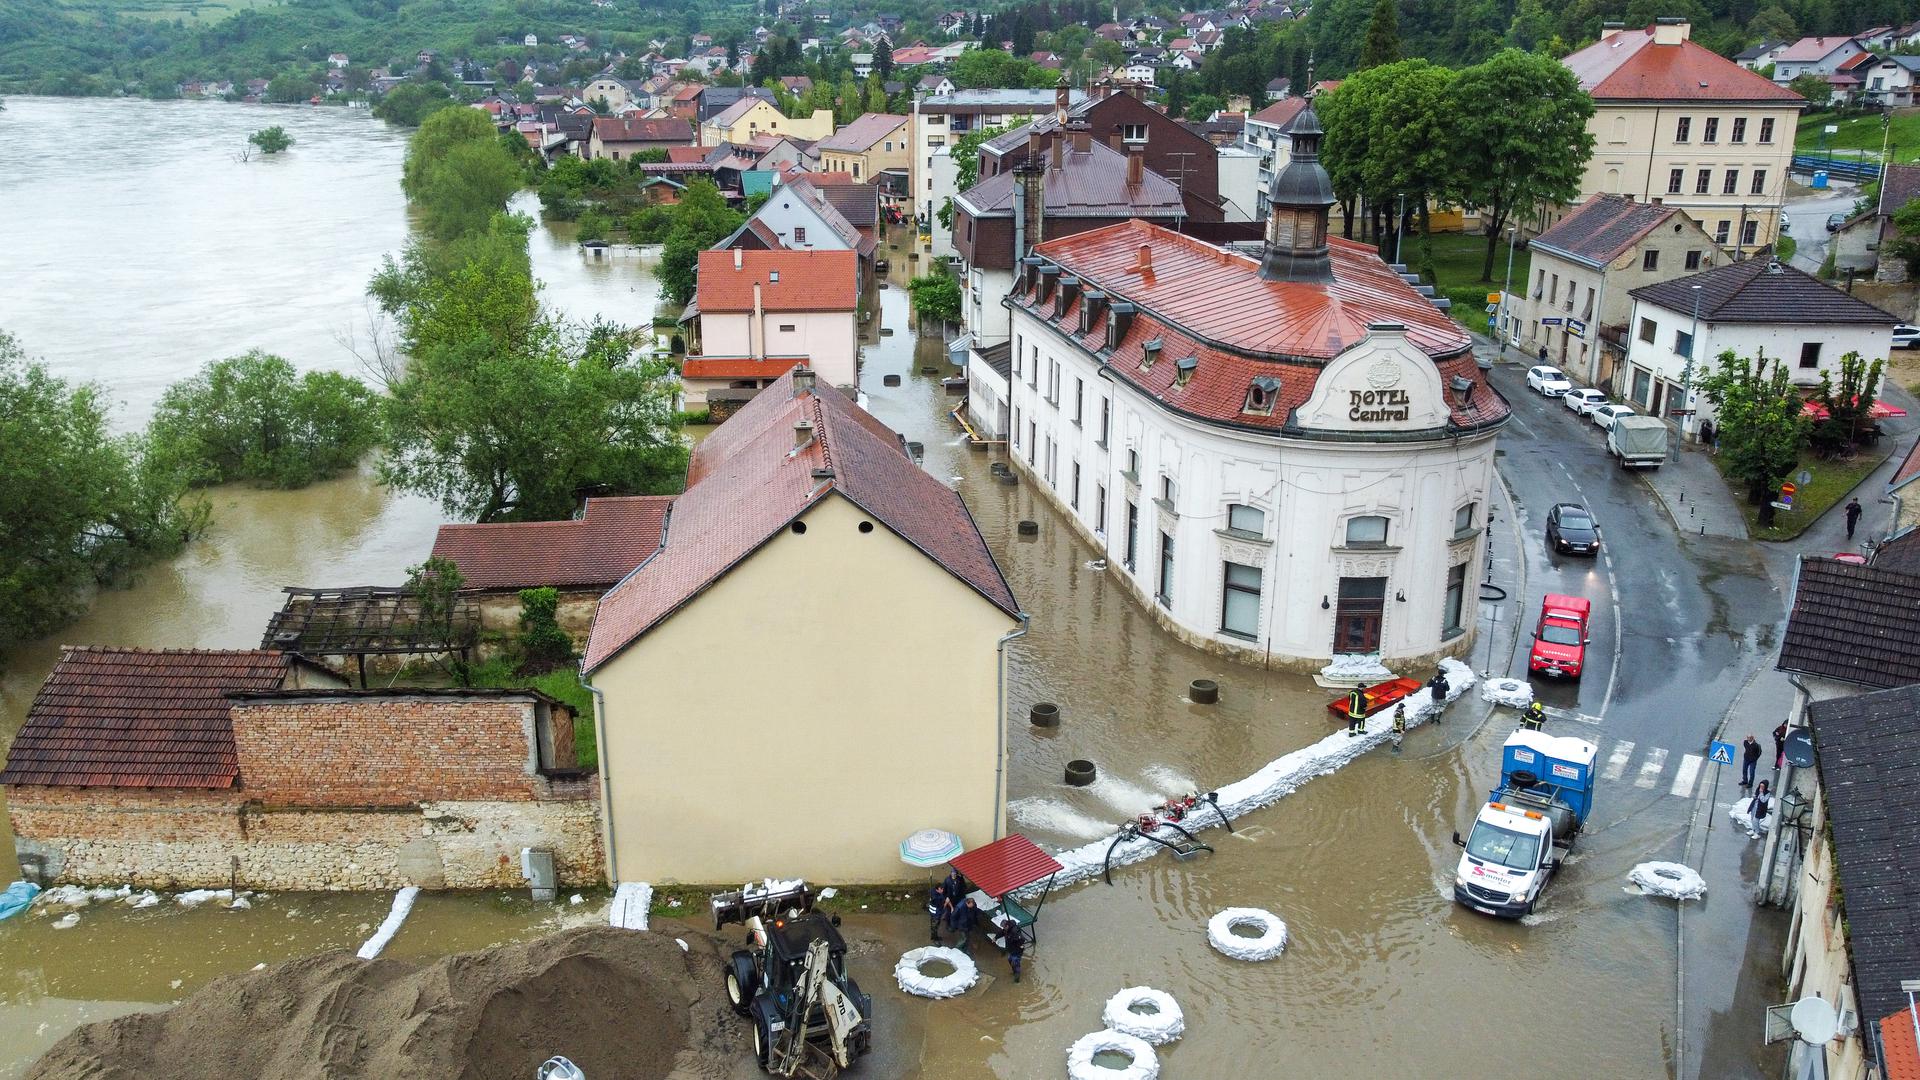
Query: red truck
{"x": 1560, "y": 641}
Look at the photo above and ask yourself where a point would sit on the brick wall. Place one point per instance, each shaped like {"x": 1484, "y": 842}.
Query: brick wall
{"x": 385, "y": 751}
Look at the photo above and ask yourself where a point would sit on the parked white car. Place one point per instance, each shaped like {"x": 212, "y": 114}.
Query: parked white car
{"x": 1583, "y": 401}
{"x": 1549, "y": 381}
{"x": 1605, "y": 415}
{"x": 1906, "y": 336}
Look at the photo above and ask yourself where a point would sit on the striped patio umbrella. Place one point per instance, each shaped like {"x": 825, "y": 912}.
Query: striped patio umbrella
{"x": 929, "y": 847}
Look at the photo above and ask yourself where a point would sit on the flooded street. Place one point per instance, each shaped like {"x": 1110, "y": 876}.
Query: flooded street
{"x": 147, "y": 262}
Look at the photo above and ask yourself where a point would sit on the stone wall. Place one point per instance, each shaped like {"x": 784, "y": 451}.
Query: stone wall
{"x": 209, "y": 839}
{"x": 500, "y": 613}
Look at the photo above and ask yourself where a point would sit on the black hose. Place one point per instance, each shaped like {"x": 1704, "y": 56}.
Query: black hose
{"x": 1490, "y": 591}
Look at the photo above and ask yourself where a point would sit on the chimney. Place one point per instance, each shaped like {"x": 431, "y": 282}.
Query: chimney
{"x": 1083, "y": 142}
{"x": 757, "y": 329}
{"x": 1136, "y": 172}
{"x": 1145, "y": 265}
{"x": 802, "y": 381}
{"x": 1611, "y": 30}
{"x": 1031, "y": 181}
{"x": 1058, "y": 147}
{"x": 1061, "y": 96}
{"x": 1671, "y": 31}
{"x": 1036, "y": 142}
{"x": 1117, "y": 141}
{"x": 802, "y": 433}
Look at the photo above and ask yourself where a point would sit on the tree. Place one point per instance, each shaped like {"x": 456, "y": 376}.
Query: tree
{"x": 271, "y": 140}
{"x": 289, "y": 88}
{"x": 966, "y": 156}
{"x": 701, "y": 219}
{"x": 1758, "y": 418}
{"x": 935, "y": 296}
{"x": 1383, "y": 36}
{"x": 410, "y": 103}
{"x": 990, "y": 68}
{"x": 543, "y": 644}
{"x": 457, "y": 172}
{"x": 1814, "y": 88}
{"x": 1847, "y": 402}
{"x": 1201, "y": 106}
{"x": 83, "y": 506}
{"x": 253, "y": 417}
{"x": 504, "y": 412}
{"x": 435, "y": 586}
{"x": 1772, "y": 23}
{"x": 1528, "y": 142}
{"x": 595, "y": 225}
{"x": 883, "y": 61}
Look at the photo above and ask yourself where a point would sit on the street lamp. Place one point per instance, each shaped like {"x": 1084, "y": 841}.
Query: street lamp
{"x": 1686, "y": 371}
{"x": 1506, "y": 290}
{"x": 1399, "y": 227}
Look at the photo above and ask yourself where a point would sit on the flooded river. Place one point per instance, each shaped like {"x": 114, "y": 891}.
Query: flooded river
{"x": 146, "y": 261}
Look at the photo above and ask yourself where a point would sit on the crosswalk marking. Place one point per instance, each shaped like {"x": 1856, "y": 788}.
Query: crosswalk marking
{"x": 1651, "y": 768}
{"x": 1684, "y": 777}
{"x": 1617, "y": 761}
{"x": 1576, "y": 717}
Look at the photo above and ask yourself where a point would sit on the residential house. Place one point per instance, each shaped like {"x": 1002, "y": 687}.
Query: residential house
{"x": 1584, "y": 270}
{"x": 809, "y": 541}
{"x": 934, "y": 84}
{"x": 1140, "y": 69}
{"x": 582, "y": 558}
{"x": 337, "y": 60}
{"x": 1278, "y": 89}
{"x": 869, "y": 146}
{"x": 800, "y": 216}
{"x": 1675, "y": 122}
{"x": 1857, "y": 244}
{"x": 621, "y": 137}
{"x": 1266, "y": 135}
{"x": 1814, "y": 56}
{"x": 1068, "y": 182}
{"x": 211, "y": 768}
{"x": 1125, "y": 120}
{"x": 715, "y": 100}
{"x": 797, "y": 85}
{"x": 862, "y": 64}
{"x": 857, "y": 202}
{"x": 1887, "y": 81}
{"x": 943, "y": 120}
{"x": 1906, "y": 502}
{"x": 1756, "y": 57}
{"x": 1750, "y": 308}
{"x": 749, "y": 118}
{"x": 763, "y": 312}
{"x": 1881, "y": 38}
{"x": 618, "y": 94}
{"x": 1167, "y": 391}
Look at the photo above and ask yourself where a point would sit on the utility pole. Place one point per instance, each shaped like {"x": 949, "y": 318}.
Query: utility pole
{"x": 1686, "y": 371}
{"x": 1506, "y": 291}
{"x": 1399, "y": 227}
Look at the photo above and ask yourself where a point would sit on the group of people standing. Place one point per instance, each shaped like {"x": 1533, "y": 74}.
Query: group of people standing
{"x": 949, "y": 908}
{"x": 1357, "y": 708}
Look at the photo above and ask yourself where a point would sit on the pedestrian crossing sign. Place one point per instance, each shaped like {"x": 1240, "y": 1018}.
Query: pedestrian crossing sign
{"x": 1722, "y": 753}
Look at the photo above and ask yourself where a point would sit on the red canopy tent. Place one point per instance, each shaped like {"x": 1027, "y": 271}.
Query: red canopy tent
{"x": 1010, "y": 863}
{"x": 1879, "y": 410}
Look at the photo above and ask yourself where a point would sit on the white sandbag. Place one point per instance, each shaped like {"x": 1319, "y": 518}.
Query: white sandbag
{"x": 1160, "y": 1025}
{"x": 1080, "y": 1066}
{"x": 1269, "y": 944}
{"x": 914, "y": 981}
{"x": 1677, "y": 881}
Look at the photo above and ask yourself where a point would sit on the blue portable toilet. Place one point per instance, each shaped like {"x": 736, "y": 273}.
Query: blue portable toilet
{"x": 1820, "y": 178}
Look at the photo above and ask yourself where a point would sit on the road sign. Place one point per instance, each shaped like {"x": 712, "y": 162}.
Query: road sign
{"x": 1805, "y": 477}
{"x": 1551, "y": 320}
{"x": 1493, "y": 298}
{"x": 1721, "y": 753}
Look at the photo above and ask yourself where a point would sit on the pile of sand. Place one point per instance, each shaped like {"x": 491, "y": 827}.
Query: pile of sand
{"x": 618, "y": 1003}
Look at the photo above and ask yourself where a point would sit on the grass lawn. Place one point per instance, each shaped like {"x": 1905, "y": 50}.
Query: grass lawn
{"x": 1862, "y": 132}
{"x": 1833, "y": 478}
{"x": 1456, "y": 269}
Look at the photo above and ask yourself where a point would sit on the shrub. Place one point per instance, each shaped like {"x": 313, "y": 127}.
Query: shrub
{"x": 252, "y": 417}
{"x": 543, "y": 645}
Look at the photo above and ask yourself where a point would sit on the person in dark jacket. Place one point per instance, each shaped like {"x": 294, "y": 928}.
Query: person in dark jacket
{"x": 955, "y": 885}
{"x": 1534, "y": 717}
{"x": 1016, "y": 946}
{"x": 1854, "y": 510}
{"x": 966, "y": 916}
{"x": 1439, "y": 686}
{"x": 1356, "y": 712}
{"x": 1749, "y": 760}
{"x": 1780, "y": 746}
{"x": 937, "y": 908}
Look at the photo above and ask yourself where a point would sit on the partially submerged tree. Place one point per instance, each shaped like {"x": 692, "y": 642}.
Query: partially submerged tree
{"x": 457, "y": 172}
{"x": 701, "y": 219}
{"x": 253, "y": 417}
{"x": 271, "y": 140}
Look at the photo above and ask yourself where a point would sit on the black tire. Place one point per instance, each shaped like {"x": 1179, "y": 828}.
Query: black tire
{"x": 742, "y": 982}
{"x": 762, "y": 1037}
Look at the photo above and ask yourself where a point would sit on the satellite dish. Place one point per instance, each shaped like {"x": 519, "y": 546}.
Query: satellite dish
{"x": 1814, "y": 1021}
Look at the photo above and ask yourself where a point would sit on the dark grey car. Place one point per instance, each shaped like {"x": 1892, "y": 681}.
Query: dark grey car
{"x": 1571, "y": 529}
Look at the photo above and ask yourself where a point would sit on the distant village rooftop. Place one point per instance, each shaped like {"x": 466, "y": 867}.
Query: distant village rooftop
{"x": 1662, "y": 63}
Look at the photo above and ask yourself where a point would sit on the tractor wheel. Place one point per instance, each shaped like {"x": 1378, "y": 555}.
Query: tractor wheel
{"x": 762, "y": 1039}
{"x": 741, "y": 981}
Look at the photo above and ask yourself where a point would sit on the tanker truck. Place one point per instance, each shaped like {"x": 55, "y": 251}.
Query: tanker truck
{"x": 1528, "y": 824}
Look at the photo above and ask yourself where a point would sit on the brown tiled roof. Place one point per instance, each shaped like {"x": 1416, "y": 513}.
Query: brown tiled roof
{"x": 1630, "y": 67}
{"x": 1197, "y": 291}
{"x": 1901, "y": 552}
{"x": 1603, "y": 227}
{"x": 597, "y": 549}
{"x": 746, "y": 483}
{"x": 1280, "y": 113}
{"x": 856, "y": 201}
{"x": 635, "y": 129}
{"x": 1855, "y": 623}
{"x": 110, "y": 717}
{"x": 1898, "y": 187}
{"x": 1909, "y": 468}
{"x": 1812, "y": 48}
{"x": 1089, "y": 183}
{"x": 802, "y": 187}
{"x": 1757, "y": 291}
{"x": 860, "y": 135}
{"x": 809, "y": 280}
{"x": 740, "y": 367}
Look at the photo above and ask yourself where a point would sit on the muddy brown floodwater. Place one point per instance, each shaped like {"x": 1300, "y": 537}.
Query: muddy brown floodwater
{"x": 1383, "y": 974}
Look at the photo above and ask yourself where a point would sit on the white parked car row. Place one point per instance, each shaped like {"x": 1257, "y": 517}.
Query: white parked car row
{"x": 1552, "y": 382}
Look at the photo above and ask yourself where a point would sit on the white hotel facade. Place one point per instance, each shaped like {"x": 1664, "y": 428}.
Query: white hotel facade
{"x": 1285, "y": 457}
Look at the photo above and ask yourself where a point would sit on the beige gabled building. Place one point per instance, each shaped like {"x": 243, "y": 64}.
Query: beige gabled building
{"x": 751, "y": 117}
{"x": 1677, "y": 123}
{"x": 868, "y": 147}
{"x": 808, "y": 669}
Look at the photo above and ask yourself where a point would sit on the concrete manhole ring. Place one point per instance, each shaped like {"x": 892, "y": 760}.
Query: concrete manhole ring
{"x": 1143, "y": 1063}
{"x": 1145, "y": 1013}
{"x": 1269, "y": 943}
{"x": 914, "y": 981}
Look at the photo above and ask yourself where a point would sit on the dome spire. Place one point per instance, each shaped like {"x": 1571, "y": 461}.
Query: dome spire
{"x": 1298, "y": 202}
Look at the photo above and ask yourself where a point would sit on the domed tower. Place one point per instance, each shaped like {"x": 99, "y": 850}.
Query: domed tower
{"x": 1297, "y": 205}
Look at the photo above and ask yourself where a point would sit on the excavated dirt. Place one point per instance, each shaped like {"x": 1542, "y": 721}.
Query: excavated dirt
{"x": 618, "y": 1003}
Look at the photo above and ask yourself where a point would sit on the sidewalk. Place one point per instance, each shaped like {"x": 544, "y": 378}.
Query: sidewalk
{"x": 1694, "y": 494}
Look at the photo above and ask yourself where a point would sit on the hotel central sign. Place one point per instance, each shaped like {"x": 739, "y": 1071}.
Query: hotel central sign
{"x": 1379, "y": 405}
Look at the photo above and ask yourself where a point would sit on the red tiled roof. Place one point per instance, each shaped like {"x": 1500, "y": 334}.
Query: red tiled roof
{"x": 109, "y": 717}
{"x": 1629, "y": 67}
{"x": 740, "y": 367}
{"x": 1900, "y": 1050}
{"x": 1908, "y": 470}
{"x": 1201, "y": 301}
{"x": 809, "y": 280}
{"x": 635, "y": 129}
{"x": 688, "y": 155}
{"x": 1280, "y": 113}
{"x": 1006, "y": 864}
{"x": 598, "y": 548}
{"x": 746, "y": 483}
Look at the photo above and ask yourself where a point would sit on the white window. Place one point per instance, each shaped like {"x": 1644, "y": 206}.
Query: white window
{"x": 1366, "y": 531}
{"x": 1168, "y": 489}
{"x": 1240, "y": 601}
{"x": 1250, "y": 520}
{"x": 1133, "y": 133}
{"x": 1463, "y": 519}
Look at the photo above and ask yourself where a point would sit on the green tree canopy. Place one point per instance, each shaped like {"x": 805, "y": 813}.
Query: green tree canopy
{"x": 410, "y": 103}
{"x": 252, "y": 417}
{"x": 701, "y": 219}
{"x": 990, "y": 68}
{"x": 83, "y": 506}
{"x": 271, "y": 140}
{"x": 1383, "y": 36}
{"x": 457, "y": 172}
{"x": 1758, "y": 417}
{"x": 966, "y": 156}
{"x": 1523, "y": 140}
{"x": 936, "y": 296}
{"x": 1847, "y": 401}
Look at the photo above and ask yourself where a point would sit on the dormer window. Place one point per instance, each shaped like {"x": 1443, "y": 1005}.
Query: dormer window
{"x": 1261, "y": 395}
{"x": 1149, "y": 353}
{"x": 1184, "y": 369}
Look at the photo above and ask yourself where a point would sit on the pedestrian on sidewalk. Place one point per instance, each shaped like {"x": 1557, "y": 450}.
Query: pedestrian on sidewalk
{"x": 1749, "y": 760}
{"x": 1707, "y": 433}
{"x": 1356, "y": 712}
{"x": 1439, "y": 687}
{"x": 1854, "y": 510}
{"x": 1780, "y": 746}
